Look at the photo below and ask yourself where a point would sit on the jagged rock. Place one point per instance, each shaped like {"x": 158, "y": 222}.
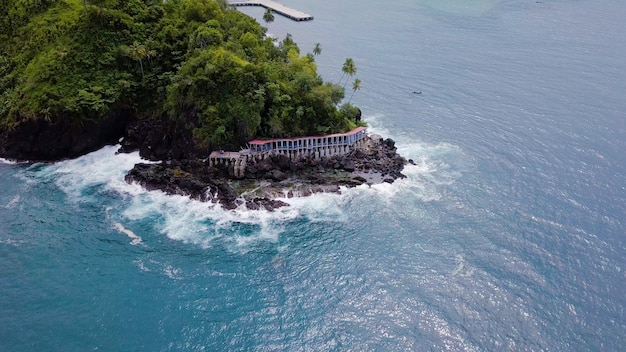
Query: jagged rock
{"x": 273, "y": 177}
{"x": 281, "y": 161}
{"x": 350, "y": 182}
{"x": 229, "y": 205}
{"x": 349, "y": 166}
{"x": 160, "y": 138}
{"x": 252, "y": 169}
{"x": 278, "y": 175}
{"x": 265, "y": 203}
{"x": 184, "y": 173}
{"x": 390, "y": 143}
{"x": 360, "y": 179}
{"x": 49, "y": 141}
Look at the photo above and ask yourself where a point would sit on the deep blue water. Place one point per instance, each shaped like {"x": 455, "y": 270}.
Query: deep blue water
{"x": 508, "y": 235}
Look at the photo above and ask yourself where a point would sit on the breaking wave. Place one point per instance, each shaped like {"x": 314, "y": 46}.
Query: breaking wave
{"x": 7, "y": 161}
{"x": 101, "y": 174}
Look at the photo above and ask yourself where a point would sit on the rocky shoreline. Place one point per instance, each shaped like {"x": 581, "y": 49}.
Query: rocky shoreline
{"x": 184, "y": 172}
{"x": 265, "y": 181}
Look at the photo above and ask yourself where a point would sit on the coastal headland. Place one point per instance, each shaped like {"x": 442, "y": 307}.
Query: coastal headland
{"x": 233, "y": 115}
{"x": 256, "y": 180}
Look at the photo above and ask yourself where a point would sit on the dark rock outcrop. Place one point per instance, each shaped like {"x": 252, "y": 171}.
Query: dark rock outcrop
{"x": 170, "y": 179}
{"x": 160, "y": 139}
{"x": 41, "y": 140}
{"x": 274, "y": 177}
{"x": 184, "y": 173}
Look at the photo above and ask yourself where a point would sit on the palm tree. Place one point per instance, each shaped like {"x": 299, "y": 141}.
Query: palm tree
{"x": 355, "y": 86}
{"x": 268, "y": 16}
{"x": 348, "y": 69}
{"x": 137, "y": 51}
{"x": 317, "y": 49}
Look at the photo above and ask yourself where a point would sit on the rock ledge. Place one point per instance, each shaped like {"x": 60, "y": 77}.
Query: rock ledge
{"x": 265, "y": 181}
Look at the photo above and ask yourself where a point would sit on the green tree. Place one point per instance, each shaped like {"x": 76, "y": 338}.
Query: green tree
{"x": 205, "y": 36}
{"x": 355, "y": 86}
{"x": 348, "y": 69}
{"x": 139, "y": 52}
{"x": 201, "y": 10}
{"x": 317, "y": 49}
{"x": 211, "y": 70}
{"x": 268, "y": 16}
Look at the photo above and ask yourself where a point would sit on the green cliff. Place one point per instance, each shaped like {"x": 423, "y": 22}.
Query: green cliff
{"x": 100, "y": 65}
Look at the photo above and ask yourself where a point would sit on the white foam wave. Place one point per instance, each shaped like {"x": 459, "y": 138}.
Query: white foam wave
{"x": 7, "y": 161}
{"x": 436, "y": 166}
{"x": 101, "y": 168}
{"x": 140, "y": 264}
{"x": 173, "y": 273}
{"x": 13, "y": 202}
{"x": 461, "y": 268}
{"x": 321, "y": 206}
{"x": 183, "y": 219}
{"x": 135, "y": 240}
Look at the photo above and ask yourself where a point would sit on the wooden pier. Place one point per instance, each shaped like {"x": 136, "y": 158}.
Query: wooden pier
{"x": 276, "y": 7}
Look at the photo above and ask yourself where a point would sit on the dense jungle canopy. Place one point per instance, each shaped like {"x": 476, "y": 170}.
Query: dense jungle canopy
{"x": 195, "y": 61}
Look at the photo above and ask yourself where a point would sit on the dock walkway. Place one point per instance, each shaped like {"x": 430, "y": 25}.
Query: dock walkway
{"x": 276, "y": 7}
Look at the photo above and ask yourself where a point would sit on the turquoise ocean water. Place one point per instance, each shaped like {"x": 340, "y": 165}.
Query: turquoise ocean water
{"x": 509, "y": 233}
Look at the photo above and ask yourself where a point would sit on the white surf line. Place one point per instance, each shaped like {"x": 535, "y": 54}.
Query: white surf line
{"x": 7, "y": 161}
{"x": 135, "y": 239}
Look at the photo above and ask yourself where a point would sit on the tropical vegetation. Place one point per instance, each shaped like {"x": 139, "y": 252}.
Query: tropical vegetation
{"x": 197, "y": 62}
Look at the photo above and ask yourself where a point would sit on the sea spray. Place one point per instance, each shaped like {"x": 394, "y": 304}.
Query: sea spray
{"x": 203, "y": 223}
{"x": 102, "y": 168}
